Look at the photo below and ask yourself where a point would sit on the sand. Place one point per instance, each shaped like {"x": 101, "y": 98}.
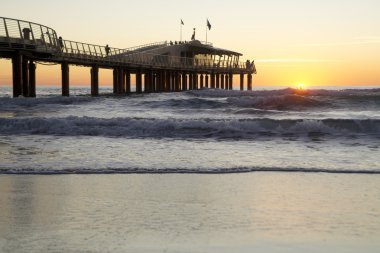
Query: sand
{"x": 254, "y": 212}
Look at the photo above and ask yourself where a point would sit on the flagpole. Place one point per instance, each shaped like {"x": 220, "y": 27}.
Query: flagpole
{"x": 206, "y": 30}
{"x": 181, "y": 31}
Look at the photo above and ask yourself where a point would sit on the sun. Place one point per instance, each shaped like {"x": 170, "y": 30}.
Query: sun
{"x": 301, "y": 86}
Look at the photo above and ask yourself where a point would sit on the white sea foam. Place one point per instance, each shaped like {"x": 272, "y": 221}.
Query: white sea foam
{"x": 180, "y": 128}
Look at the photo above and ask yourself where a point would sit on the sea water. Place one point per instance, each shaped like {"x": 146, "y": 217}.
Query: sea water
{"x": 204, "y": 131}
{"x": 278, "y": 170}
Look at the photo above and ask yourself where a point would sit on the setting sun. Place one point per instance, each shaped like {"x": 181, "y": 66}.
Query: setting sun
{"x": 301, "y": 86}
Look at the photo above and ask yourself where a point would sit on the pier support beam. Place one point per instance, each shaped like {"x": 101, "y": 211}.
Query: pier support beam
{"x": 222, "y": 81}
{"x": 241, "y": 81}
{"x": 227, "y": 82}
{"x": 191, "y": 80}
{"x": 161, "y": 83}
{"x": 167, "y": 81}
{"x": 94, "y": 80}
{"x": 207, "y": 81}
{"x": 212, "y": 81}
{"x": 127, "y": 81}
{"x": 138, "y": 82}
{"x": 115, "y": 77}
{"x": 217, "y": 77}
{"x": 65, "y": 79}
{"x": 201, "y": 81}
{"x": 32, "y": 79}
{"x": 178, "y": 81}
{"x": 154, "y": 81}
{"x": 195, "y": 81}
{"x": 231, "y": 86}
{"x": 120, "y": 81}
{"x": 249, "y": 82}
{"x": 25, "y": 77}
{"x": 17, "y": 74}
{"x": 184, "y": 81}
{"x": 147, "y": 82}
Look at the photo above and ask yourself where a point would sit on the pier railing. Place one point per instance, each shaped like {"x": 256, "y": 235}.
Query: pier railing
{"x": 28, "y": 35}
{"x": 98, "y": 54}
{"x": 19, "y": 34}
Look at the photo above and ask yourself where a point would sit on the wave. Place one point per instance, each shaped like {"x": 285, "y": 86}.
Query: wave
{"x": 186, "y": 128}
{"x": 287, "y": 91}
{"x": 84, "y": 171}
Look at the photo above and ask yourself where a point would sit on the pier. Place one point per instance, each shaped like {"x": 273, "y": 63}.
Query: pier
{"x": 158, "y": 67}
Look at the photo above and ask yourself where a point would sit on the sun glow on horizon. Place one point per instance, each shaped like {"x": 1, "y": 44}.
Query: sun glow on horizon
{"x": 301, "y": 86}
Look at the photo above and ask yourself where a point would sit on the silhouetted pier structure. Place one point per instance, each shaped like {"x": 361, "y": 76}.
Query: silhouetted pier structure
{"x": 159, "y": 67}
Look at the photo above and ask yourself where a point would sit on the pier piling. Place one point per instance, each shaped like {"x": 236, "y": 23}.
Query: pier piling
{"x": 65, "y": 79}
{"x": 241, "y": 81}
{"x": 94, "y": 80}
{"x": 17, "y": 74}
{"x": 32, "y": 79}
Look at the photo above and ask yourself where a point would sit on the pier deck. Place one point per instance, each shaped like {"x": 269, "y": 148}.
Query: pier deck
{"x": 161, "y": 66}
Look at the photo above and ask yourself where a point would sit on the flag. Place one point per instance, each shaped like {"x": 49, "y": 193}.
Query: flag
{"x": 208, "y": 25}
{"x": 182, "y": 22}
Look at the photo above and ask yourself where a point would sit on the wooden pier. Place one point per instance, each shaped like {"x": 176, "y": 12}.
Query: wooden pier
{"x": 159, "y": 67}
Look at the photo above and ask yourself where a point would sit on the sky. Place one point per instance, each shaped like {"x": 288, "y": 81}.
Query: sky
{"x": 325, "y": 42}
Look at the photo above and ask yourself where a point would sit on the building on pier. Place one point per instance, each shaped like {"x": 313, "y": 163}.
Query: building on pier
{"x": 159, "y": 67}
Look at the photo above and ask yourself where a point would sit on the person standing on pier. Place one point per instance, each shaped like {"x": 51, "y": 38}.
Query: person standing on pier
{"x": 107, "y": 48}
{"x": 60, "y": 41}
{"x": 193, "y": 36}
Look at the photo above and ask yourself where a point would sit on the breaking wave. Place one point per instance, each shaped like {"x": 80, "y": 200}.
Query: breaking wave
{"x": 186, "y": 128}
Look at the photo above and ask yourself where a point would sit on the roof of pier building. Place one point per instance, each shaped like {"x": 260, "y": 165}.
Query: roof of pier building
{"x": 179, "y": 49}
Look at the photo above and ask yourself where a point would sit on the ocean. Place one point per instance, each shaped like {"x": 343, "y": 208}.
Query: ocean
{"x": 269, "y": 170}
{"x": 204, "y": 131}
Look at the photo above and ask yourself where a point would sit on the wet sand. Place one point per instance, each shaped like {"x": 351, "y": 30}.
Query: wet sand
{"x": 254, "y": 212}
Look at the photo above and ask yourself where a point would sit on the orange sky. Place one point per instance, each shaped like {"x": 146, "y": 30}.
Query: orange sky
{"x": 294, "y": 41}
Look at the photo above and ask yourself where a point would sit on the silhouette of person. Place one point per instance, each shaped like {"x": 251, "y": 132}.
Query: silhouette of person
{"x": 107, "y": 48}
{"x": 193, "y": 36}
{"x": 248, "y": 64}
{"x": 60, "y": 41}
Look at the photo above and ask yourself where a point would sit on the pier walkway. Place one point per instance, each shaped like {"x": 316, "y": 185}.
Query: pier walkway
{"x": 159, "y": 67}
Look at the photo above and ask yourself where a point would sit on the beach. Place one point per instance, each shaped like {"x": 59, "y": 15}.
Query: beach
{"x": 253, "y": 212}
